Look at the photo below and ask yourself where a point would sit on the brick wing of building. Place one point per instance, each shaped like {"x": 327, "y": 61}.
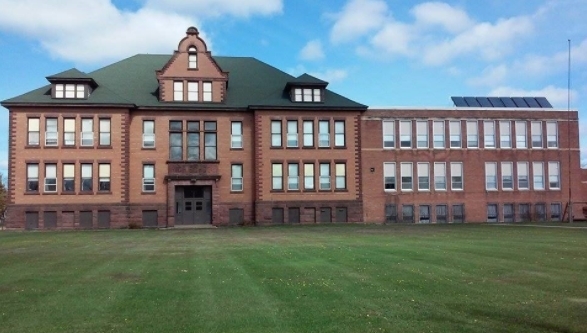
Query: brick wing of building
{"x": 191, "y": 138}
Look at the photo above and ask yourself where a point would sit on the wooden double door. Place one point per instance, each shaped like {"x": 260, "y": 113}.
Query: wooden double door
{"x": 193, "y": 205}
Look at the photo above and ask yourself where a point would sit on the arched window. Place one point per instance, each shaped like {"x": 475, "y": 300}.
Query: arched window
{"x": 192, "y": 57}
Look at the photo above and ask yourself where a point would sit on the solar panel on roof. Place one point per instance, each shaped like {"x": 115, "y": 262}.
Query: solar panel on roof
{"x": 472, "y": 102}
{"x": 484, "y": 102}
{"x": 496, "y": 102}
{"x": 507, "y": 102}
{"x": 459, "y": 101}
{"x": 543, "y": 102}
{"x": 520, "y": 102}
{"x": 531, "y": 101}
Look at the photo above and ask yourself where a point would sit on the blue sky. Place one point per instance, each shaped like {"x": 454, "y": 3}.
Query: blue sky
{"x": 377, "y": 52}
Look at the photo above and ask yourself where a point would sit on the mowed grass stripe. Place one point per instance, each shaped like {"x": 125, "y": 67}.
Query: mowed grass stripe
{"x": 337, "y": 278}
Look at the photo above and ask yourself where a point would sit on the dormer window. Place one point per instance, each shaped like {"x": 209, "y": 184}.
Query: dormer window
{"x": 192, "y": 57}
{"x": 70, "y": 90}
{"x": 307, "y": 95}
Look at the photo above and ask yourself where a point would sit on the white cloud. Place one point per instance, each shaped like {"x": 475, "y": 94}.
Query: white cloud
{"x": 394, "y": 38}
{"x": 358, "y": 17}
{"x": 438, "y": 13}
{"x": 490, "y": 41}
{"x": 3, "y": 162}
{"x": 439, "y": 33}
{"x": 556, "y": 96}
{"x": 95, "y": 31}
{"x": 331, "y": 75}
{"x": 490, "y": 76}
{"x": 216, "y": 8}
{"x": 312, "y": 51}
{"x": 543, "y": 65}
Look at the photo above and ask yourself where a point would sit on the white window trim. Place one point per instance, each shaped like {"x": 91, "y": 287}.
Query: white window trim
{"x": 393, "y": 164}
{"x": 511, "y": 164}
{"x": 392, "y": 122}
{"x": 426, "y": 133}
{"x": 444, "y": 175}
{"x": 450, "y": 134}
{"x": 462, "y": 167}
{"x": 496, "y": 176}
{"x": 476, "y": 134}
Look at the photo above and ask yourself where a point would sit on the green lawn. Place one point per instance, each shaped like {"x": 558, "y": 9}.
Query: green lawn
{"x": 345, "y": 278}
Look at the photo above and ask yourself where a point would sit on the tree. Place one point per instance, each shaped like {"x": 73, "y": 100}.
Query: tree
{"x": 3, "y": 199}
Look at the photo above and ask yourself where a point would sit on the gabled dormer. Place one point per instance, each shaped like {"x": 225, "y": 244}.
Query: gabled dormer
{"x": 192, "y": 75}
{"x": 71, "y": 84}
{"x": 306, "y": 89}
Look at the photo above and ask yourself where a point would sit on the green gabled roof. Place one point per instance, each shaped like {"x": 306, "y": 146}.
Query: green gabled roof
{"x": 73, "y": 73}
{"x": 251, "y": 83}
{"x": 307, "y": 79}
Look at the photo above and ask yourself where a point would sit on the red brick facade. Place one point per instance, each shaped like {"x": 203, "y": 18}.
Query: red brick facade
{"x": 193, "y": 157}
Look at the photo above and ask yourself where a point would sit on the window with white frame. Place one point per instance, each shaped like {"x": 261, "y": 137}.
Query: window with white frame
{"x": 51, "y": 132}
{"x": 388, "y": 134}
{"x": 340, "y": 176}
{"x": 324, "y": 176}
{"x": 456, "y": 176}
{"x": 308, "y": 128}
{"x": 523, "y": 176}
{"x": 148, "y": 134}
{"x": 276, "y": 133}
{"x": 192, "y": 57}
{"x": 148, "y": 178}
{"x": 70, "y": 90}
{"x": 236, "y": 134}
{"x": 505, "y": 134}
{"x": 389, "y": 182}
{"x": 87, "y": 132}
{"x": 538, "y": 173}
{"x": 489, "y": 133}
{"x": 554, "y": 176}
{"x": 423, "y": 176}
{"x": 69, "y": 132}
{"x": 491, "y": 176}
{"x": 455, "y": 133}
{"x": 177, "y": 91}
{"x": 277, "y": 176}
{"x": 210, "y": 140}
{"x": 438, "y": 132}
{"x": 406, "y": 176}
{"x": 50, "y": 178}
{"x": 551, "y": 134}
{"x": 34, "y": 134}
{"x": 440, "y": 176}
{"x": 293, "y": 176}
{"x": 193, "y": 91}
{"x": 472, "y": 134}
{"x": 193, "y": 140}
{"x": 32, "y": 177}
{"x": 521, "y": 135}
{"x": 207, "y": 91}
{"x": 507, "y": 175}
{"x": 104, "y": 177}
{"x": 307, "y": 95}
{"x": 405, "y": 134}
{"x": 68, "y": 177}
{"x": 292, "y": 133}
{"x": 323, "y": 133}
{"x": 309, "y": 176}
{"x": 236, "y": 178}
{"x": 176, "y": 140}
{"x": 422, "y": 134}
{"x": 339, "y": 139}
{"x": 104, "y": 132}
{"x": 87, "y": 180}
{"x": 536, "y": 130}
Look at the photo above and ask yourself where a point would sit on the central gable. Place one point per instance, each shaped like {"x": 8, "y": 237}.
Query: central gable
{"x": 192, "y": 75}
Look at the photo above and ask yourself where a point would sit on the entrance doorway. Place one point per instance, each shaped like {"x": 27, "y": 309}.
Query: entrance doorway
{"x": 193, "y": 205}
